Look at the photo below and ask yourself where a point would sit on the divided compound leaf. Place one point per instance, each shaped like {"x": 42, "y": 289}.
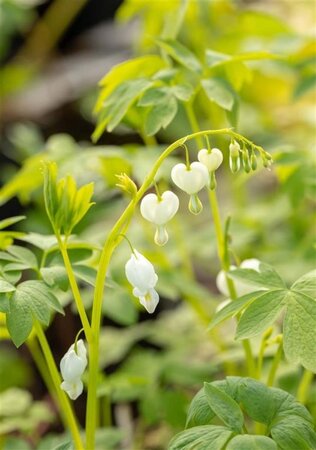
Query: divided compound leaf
{"x": 160, "y": 115}
{"x": 266, "y": 277}
{"x": 218, "y": 91}
{"x": 200, "y": 412}
{"x": 180, "y": 53}
{"x": 225, "y": 407}
{"x": 251, "y": 442}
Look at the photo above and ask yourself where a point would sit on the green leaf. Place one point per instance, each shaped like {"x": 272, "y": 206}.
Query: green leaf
{"x": 218, "y": 91}
{"x": 180, "y": 53}
{"x": 199, "y": 412}
{"x": 85, "y": 273}
{"x": 55, "y": 276}
{"x": 154, "y": 95}
{"x": 10, "y": 221}
{"x": 299, "y": 331}
{"x": 304, "y": 86}
{"x": 5, "y": 286}
{"x": 24, "y": 256}
{"x": 250, "y": 442}
{"x": 42, "y": 241}
{"x": 31, "y": 299}
{"x": 183, "y": 91}
{"x": 201, "y": 438}
{"x": 293, "y": 433}
{"x": 266, "y": 277}
{"x": 4, "y": 303}
{"x": 261, "y": 314}
{"x": 160, "y": 116}
{"x": 258, "y": 400}
{"x": 224, "y": 407}
{"x": 306, "y": 284}
{"x": 119, "y": 307}
{"x": 234, "y": 307}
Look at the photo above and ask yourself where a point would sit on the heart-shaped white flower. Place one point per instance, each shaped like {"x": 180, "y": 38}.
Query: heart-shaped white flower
{"x": 159, "y": 211}
{"x": 212, "y": 160}
{"x": 72, "y": 366}
{"x": 190, "y": 180}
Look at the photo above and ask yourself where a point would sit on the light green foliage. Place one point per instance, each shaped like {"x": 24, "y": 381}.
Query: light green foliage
{"x": 7, "y": 237}
{"x": 260, "y": 310}
{"x": 277, "y": 409}
{"x": 202, "y": 438}
{"x": 65, "y": 204}
{"x": 32, "y": 300}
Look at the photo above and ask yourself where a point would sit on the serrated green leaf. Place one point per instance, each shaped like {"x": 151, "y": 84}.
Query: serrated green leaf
{"x": 212, "y": 57}
{"x": 259, "y": 401}
{"x": 299, "y": 330}
{"x": 266, "y": 277}
{"x": 23, "y": 255}
{"x": 85, "y": 273}
{"x": 306, "y": 284}
{"x": 217, "y": 91}
{"x": 261, "y": 314}
{"x": 180, "y": 53}
{"x": 183, "y": 91}
{"x": 201, "y": 438}
{"x": 224, "y": 407}
{"x": 199, "y": 412}
{"x": 19, "y": 323}
{"x": 251, "y": 442}
{"x": 234, "y": 307}
{"x": 42, "y": 241}
{"x": 160, "y": 116}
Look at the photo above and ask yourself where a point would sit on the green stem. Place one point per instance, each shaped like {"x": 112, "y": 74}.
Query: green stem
{"x": 303, "y": 388}
{"x": 275, "y": 363}
{"x": 109, "y": 247}
{"x": 64, "y": 404}
{"x": 75, "y": 289}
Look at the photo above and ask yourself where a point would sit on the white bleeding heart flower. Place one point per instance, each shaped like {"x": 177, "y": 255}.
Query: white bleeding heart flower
{"x": 159, "y": 211}
{"x": 142, "y": 276}
{"x": 211, "y": 159}
{"x": 241, "y": 287}
{"x": 190, "y": 180}
{"x": 72, "y": 366}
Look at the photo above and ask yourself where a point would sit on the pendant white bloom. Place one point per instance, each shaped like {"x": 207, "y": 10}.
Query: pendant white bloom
{"x": 141, "y": 275}
{"x": 159, "y": 211}
{"x": 190, "y": 180}
{"x": 242, "y": 288}
{"x": 72, "y": 366}
{"x": 211, "y": 159}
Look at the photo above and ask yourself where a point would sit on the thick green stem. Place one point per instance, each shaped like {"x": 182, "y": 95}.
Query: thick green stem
{"x": 303, "y": 388}
{"x": 64, "y": 404}
{"x": 75, "y": 289}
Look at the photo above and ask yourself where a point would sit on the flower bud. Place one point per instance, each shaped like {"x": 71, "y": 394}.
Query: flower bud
{"x": 211, "y": 159}
{"x": 126, "y": 184}
{"x": 253, "y": 161}
{"x": 234, "y": 160}
{"x": 246, "y": 161}
{"x": 241, "y": 287}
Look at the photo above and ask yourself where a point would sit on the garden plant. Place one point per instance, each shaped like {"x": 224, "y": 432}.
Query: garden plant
{"x": 182, "y": 260}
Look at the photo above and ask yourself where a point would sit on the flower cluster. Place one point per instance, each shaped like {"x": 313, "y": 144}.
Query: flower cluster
{"x": 72, "y": 366}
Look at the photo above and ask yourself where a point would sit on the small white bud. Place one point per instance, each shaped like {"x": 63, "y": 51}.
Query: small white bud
{"x": 212, "y": 160}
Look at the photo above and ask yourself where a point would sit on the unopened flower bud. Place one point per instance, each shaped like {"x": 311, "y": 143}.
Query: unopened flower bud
{"x": 126, "y": 184}
{"x": 246, "y": 161}
{"x": 253, "y": 161}
{"x": 234, "y": 160}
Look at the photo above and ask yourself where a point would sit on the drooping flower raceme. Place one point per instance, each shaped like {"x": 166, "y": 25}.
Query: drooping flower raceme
{"x": 191, "y": 180}
{"x": 242, "y": 288}
{"x": 141, "y": 275}
{"x": 159, "y": 211}
{"x": 72, "y": 366}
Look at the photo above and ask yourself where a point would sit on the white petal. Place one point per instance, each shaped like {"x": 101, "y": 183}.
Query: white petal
{"x": 73, "y": 389}
{"x": 211, "y": 160}
{"x": 190, "y": 181}
{"x": 81, "y": 350}
{"x": 140, "y": 272}
{"x": 251, "y": 263}
{"x": 150, "y": 301}
{"x": 221, "y": 282}
{"x": 222, "y": 304}
{"x": 159, "y": 212}
{"x": 72, "y": 366}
